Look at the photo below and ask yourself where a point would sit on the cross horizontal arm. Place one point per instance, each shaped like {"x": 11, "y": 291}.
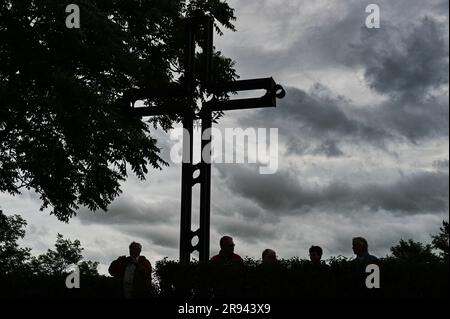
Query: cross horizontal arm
{"x": 239, "y": 104}
{"x": 170, "y": 90}
{"x": 273, "y": 91}
{"x": 247, "y": 85}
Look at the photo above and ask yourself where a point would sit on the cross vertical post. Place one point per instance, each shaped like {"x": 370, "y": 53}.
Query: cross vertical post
{"x": 187, "y": 183}
{"x": 194, "y": 27}
{"x": 205, "y": 187}
{"x": 187, "y": 169}
{"x": 205, "y": 162}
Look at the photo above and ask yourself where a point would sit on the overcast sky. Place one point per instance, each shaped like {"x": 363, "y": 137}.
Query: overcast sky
{"x": 363, "y": 141}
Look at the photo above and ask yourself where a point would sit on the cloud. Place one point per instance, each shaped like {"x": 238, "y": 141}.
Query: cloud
{"x": 283, "y": 193}
{"x": 154, "y": 221}
{"x": 415, "y": 120}
{"x": 307, "y": 37}
{"x": 163, "y": 236}
{"x": 292, "y": 35}
{"x": 317, "y": 122}
{"x": 126, "y": 211}
{"x": 409, "y": 66}
{"x": 404, "y": 62}
{"x": 329, "y": 148}
{"x": 333, "y": 232}
{"x": 382, "y": 230}
{"x": 249, "y": 231}
{"x": 441, "y": 165}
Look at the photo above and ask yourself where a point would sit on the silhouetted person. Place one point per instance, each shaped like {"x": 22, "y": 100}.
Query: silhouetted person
{"x": 227, "y": 271}
{"x": 134, "y": 273}
{"x": 361, "y": 250}
{"x": 269, "y": 276}
{"x": 357, "y": 286}
{"x": 226, "y": 254}
{"x": 269, "y": 257}
{"x": 315, "y": 255}
{"x": 318, "y": 274}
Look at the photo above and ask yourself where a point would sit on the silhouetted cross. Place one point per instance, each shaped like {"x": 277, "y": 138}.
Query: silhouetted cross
{"x": 196, "y": 28}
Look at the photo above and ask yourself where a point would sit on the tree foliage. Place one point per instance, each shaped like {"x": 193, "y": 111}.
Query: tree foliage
{"x": 12, "y": 257}
{"x": 441, "y": 241}
{"x": 66, "y": 254}
{"x": 412, "y": 251}
{"x": 64, "y": 131}
{"x": 413, "y": 272}
{"x": 17, "y": 260}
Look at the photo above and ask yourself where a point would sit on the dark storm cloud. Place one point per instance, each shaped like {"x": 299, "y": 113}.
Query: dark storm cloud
{"x": 316, "y": 122}
{"x": 408, "y": 66}
{"x": 406, "y": 63}
{"x": 442, "y": 6}
{"x": 225, "y": 208}
{"x": 321, "y": 113}
{"x": 420, "y": 193}
{"x": 329, "y": 148}
{"x": 441, "y": 165}
{"x": 153, "y": 221}
{"x": 300, "y": 36}
{"x": 413, "y": 120}
{"x": 289, "y": 40}
{"x": 126, "y": 211}
{"x": 251, "y": 232}
{"x": 167, "y": 237}
{"x": 283, "y": 194}
{"x": 411, "y": 68}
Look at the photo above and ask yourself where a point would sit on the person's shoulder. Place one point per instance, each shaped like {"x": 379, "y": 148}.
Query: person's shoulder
{"x": 143, "y": 259}
{"x": 120, "y": 259}
{"x": 236, "y": 257}
{"x": 117, "y": 266}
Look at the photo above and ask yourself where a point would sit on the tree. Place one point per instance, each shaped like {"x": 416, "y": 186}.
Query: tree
{"x": 64, "y": 129}
{"x": 412, "y": 251}
{"x": 57, "y": 262}
{"x": 13, "y": 259}
{"x": 441, "y": 241}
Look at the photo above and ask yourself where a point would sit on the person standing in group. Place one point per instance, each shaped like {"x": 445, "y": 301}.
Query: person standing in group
{"x": 134, "y": 273}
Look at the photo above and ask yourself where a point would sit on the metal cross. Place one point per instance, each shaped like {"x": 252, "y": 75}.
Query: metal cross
{"x": 200, "y": 30}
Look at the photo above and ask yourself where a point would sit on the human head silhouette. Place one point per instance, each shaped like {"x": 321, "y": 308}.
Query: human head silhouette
{"x": 227, "y": 245}
{"x": 360, "y": 246}
{"x": 135, "y": 249}
{"x": 315, "y": 254}
{"x": 269, "y": 256}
